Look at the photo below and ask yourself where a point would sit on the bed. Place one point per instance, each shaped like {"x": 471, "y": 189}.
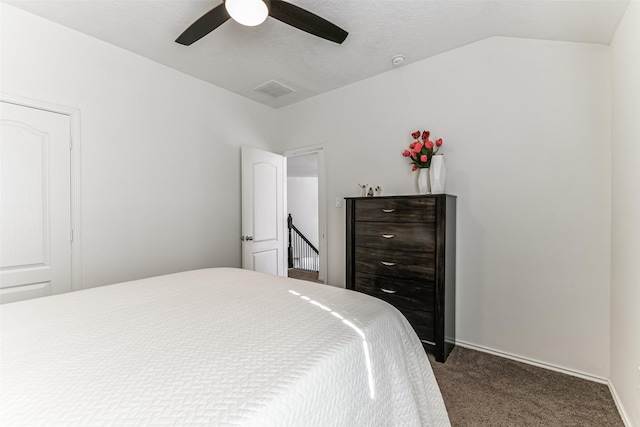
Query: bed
{"x": 219, "y": 347}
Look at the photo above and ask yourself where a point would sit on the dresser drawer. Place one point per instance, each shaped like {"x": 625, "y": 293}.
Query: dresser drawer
{"x": 400, "y": 264}
{"x": 395, "y": 236}
{"x": 422, "y": 323}
{"x": 396, "y": 210}
{"x": 405, "y": 293}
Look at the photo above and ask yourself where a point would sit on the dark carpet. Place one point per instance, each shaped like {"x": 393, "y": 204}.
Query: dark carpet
{"x": 480, "y": 389}
{"x": 309, "y": 276}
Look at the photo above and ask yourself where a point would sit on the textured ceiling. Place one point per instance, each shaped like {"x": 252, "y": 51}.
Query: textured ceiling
{"x": 240, "y": 58}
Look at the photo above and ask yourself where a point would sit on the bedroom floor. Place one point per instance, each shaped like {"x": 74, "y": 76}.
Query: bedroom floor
{"x": 480, "y": 389}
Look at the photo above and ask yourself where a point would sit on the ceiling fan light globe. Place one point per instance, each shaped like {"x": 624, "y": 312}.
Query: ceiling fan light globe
{"x": 247, "y": 12}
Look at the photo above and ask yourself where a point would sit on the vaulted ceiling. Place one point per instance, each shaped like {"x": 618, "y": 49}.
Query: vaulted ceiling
{"x": 241, "y": 58}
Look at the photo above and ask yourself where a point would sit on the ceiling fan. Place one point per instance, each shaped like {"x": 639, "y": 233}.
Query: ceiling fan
{"x": 254, "y": 12}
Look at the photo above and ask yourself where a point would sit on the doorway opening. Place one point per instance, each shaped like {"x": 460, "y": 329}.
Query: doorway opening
{"x": 305, "y": 211}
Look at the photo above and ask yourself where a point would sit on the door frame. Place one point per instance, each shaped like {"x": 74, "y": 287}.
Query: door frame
{"x": 322, "y": 203}
{"x": 75, "y": 187}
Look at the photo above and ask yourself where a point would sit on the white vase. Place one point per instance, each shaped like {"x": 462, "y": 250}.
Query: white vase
{"x": 423, "y": 181}
{"x": 437, "y": 174}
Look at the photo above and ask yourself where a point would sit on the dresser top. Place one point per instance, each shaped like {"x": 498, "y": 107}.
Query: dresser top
{"x": 407, "y": 196}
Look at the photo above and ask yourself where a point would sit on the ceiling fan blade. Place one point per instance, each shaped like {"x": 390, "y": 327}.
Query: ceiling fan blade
{"x": 204, "y": 25}
{"x": 306, "y": 21}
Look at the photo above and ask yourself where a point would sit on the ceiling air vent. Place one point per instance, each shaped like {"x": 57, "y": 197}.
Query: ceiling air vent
{"x": 273, "y": 88}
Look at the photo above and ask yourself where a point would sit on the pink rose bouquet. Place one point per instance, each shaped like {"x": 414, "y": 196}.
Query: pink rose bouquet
{"x": 422, "y": 150}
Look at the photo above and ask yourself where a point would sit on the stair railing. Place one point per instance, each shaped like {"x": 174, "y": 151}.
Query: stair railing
{"x": 302, "y": 254}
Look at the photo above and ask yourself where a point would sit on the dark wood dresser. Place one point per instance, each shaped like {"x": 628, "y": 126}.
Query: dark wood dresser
{"x": 402, "y": 249}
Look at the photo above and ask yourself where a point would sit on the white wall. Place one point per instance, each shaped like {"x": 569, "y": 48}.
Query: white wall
{"x": 625, "y": 220}
{"x": 302, "y": 203}
{"x": 160, "y": 149}
{"x": 526, "y": 126}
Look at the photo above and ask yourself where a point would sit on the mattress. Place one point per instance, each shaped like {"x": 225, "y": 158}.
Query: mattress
{"x": 221, "y": 347}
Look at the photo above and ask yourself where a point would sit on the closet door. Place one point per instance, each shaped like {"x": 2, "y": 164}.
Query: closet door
{"x": 35, "y": 203}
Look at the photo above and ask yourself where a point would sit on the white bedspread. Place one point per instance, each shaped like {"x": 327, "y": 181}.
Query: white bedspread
{"x": 213, "y": 347}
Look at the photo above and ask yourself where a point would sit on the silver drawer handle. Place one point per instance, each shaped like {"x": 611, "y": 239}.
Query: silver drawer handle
{"x": 388, "y": 210}
{"x": 387, "y": 291}
{"x": 390, "y": 264}
{"x": 388, "y": 236}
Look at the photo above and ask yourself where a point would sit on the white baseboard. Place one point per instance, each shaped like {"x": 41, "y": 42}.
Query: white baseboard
{"x": 616, "y": 399}
{"x": 534, "y": 362}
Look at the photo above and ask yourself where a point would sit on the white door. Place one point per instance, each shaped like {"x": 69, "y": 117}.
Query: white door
{"x": 263, "y": 221}
{"x": 35, "y": 203}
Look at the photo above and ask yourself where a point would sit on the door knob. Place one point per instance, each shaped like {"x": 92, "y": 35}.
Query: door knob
{"x": 249, "y": 238}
